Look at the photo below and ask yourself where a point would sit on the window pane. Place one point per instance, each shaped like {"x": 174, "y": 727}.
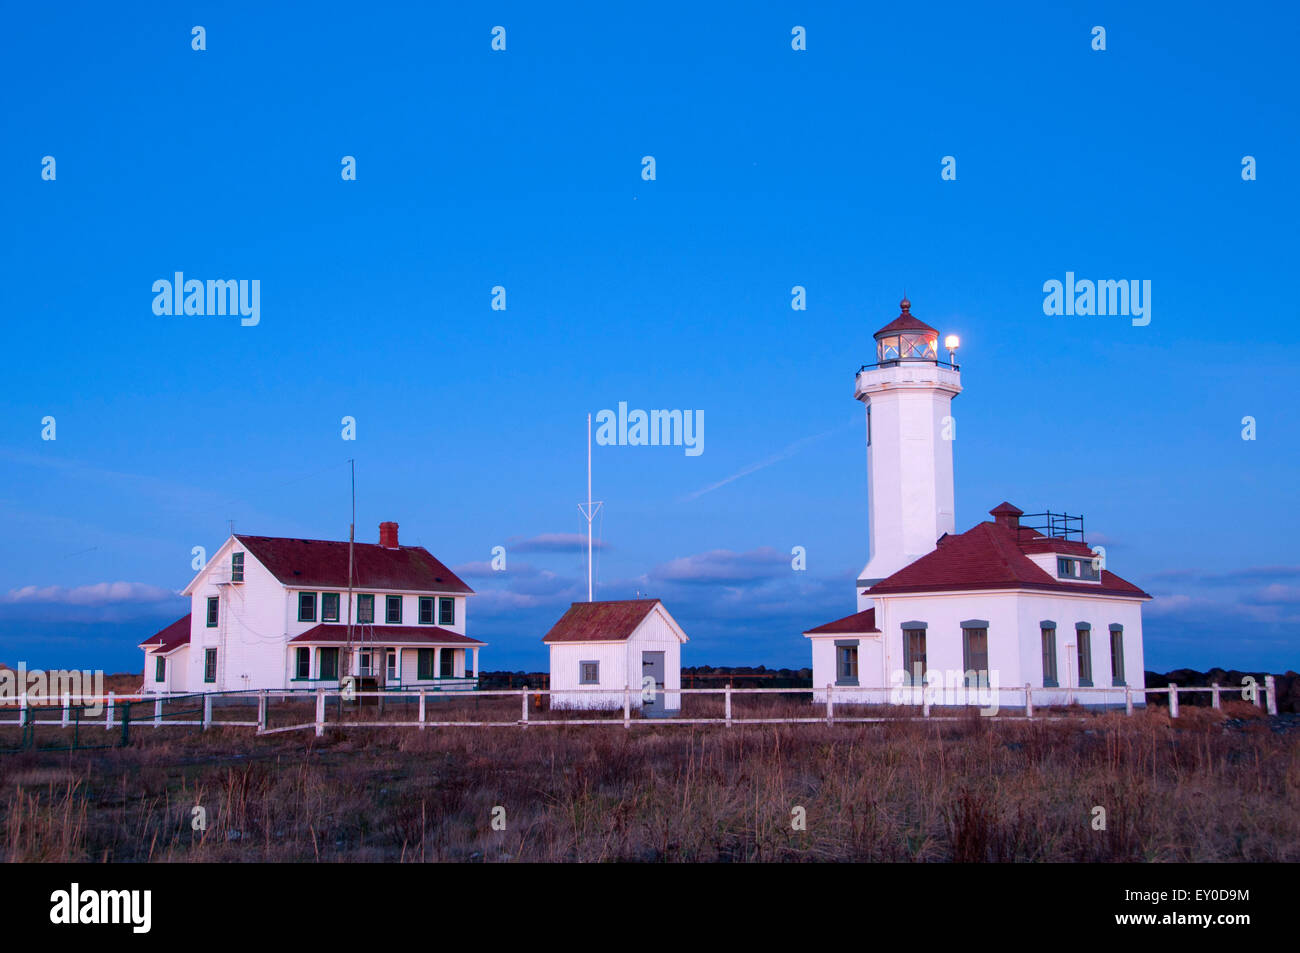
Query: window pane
{"x": 914, "y": 655}
{"x": 446, "y": 611}
{"x": 426, "y": 610}
{"x": 329, "y": 607}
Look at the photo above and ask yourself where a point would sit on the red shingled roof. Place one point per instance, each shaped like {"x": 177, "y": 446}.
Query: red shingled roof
{"x": 905, "y": 321}
{"x": 170, "y": 638}
{"x": 989, "y": 556}
{"x": 600, "y": 621}
{"x": 312, "y": 563}
{"x": 430, "y": 635}
{"x": 859, "y": 622}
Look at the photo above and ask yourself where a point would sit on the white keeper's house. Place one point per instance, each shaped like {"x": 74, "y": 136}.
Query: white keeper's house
{"x": 1015, "y": 600}
{"x": 272, "y": 613}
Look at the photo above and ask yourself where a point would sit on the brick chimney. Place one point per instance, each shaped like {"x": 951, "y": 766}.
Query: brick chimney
{"x": 1004, "y": 514}
{"x": 388, "y": 535}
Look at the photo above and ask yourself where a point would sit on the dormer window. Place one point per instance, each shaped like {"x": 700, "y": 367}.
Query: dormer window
{"x": 1076, "y": 569}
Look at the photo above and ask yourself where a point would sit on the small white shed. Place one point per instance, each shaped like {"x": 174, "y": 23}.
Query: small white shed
{"x": 630, "y": 643}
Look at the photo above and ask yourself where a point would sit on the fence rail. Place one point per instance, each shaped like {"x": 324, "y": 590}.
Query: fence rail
{"x": 839, "y": 705}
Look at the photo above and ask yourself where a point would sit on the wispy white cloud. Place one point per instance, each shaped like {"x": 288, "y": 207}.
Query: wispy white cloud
{"x": 553, "y": 543}
{"x": 100, "y": 593}
{"x": 723, "y": 566}
{"x": 784, "y": 454}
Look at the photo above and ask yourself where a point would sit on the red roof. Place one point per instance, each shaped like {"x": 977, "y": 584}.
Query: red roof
{"x": 905, "y": 321}
{"x": 859, "y": 622}
{"x": 430, "y": 635}
{"x": 992, "y": 556}
{"x": 600, "y": 621}
{"x": 320, "y": 563}
{"x": 170, "y": 638}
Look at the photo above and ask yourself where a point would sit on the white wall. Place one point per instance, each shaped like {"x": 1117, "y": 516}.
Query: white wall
{"x": 910, "y": 468}
{"x": 176, "y": 676}
{"x": 1015, "y": 645}
{"x": 566, "y": 675}
{"x": 250, "y": 632}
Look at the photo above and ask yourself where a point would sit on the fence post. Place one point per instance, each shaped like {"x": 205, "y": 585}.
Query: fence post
{"x": 925, "y": 700}
{"x": 1270, "y": 687}
{"x": 830, "y": 704}
{"x": 525, "y": 706}
{"x": 1029, "y": 701}
{"x": 67, "y": 703}
{"x": 422, "y": 701}
{"x": 261, "y": 710}
{"x": 207, "y": 710}
{"x": 157, "y": 713}
{"x": 627, "y": 706}
{"x": 1259, "y": 697}
{"x": 1214, "y": 694}
{"x": 108, "y": 718}
{"x": 1173, "y": 700}
{"x": 1128, "y": 700}
{"x": 320, "y": 712}
{"x": 726, "y": 695}
{"x": 22, "y": 707}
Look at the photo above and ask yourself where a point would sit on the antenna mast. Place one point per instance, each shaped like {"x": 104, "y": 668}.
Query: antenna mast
{"x": 589, "y": 511}
{"x": 346, "y": 667}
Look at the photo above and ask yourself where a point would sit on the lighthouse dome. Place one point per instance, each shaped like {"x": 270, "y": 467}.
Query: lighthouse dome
{"x": 906, "y": 338}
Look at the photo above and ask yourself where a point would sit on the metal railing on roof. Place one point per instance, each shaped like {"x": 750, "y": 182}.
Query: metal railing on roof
{"x": 909, "y": 360}
{"x": 1054, "y": 525}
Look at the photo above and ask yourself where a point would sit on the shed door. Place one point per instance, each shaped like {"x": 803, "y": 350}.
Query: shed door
{"x": 652, "y": 666}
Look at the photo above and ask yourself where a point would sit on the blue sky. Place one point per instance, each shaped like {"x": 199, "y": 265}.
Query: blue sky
{"x": 522, "y": 169}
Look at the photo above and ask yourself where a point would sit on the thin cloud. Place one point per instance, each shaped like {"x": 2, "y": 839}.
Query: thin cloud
{"x": 723, "y": 566}
{"x": 554, "y": 543}
{"x": 100, "y": 593}
{"x": 763, "y": 464}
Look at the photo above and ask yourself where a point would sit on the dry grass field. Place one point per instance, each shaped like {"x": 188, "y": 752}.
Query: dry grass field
{"x": 1210, "y": 786}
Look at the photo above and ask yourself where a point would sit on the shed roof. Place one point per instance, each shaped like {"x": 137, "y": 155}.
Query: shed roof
{"x": 171, "y": 638}
{"x": 612, "y": 621}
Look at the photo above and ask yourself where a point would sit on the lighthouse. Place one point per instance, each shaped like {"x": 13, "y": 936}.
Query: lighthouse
{"x": 908, "y": 393}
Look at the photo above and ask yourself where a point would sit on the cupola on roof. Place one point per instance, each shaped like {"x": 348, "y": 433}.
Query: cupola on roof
{"x": 905, "y": 321}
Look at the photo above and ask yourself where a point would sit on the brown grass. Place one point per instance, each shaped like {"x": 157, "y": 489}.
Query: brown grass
{"x": 976, "y": 789}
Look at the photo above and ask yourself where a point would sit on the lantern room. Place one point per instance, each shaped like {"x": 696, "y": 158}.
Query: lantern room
{"x": 906, "y": 339}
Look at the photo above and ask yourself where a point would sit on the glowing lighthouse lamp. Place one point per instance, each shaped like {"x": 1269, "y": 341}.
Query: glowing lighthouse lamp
{"x": 951, "y": 343}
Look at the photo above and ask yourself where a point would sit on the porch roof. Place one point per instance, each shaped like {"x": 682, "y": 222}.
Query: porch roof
{"x": 425, "y": 636}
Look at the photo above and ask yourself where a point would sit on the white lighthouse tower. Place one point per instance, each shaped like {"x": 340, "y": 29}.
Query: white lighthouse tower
{"x": 910, "y": 430}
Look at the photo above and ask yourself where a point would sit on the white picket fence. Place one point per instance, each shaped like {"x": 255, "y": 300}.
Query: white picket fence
{"x": 1265, "y": 697}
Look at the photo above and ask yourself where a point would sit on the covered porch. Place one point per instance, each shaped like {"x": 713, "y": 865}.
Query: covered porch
{"x": 397, "y": 657}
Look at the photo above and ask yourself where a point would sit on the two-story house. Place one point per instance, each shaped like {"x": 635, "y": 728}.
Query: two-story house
{"x": 273, "y": 613}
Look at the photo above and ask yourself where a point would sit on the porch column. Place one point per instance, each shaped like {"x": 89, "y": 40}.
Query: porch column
{"x": 476, "y": 661}
{"x": 437, "y": 662}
